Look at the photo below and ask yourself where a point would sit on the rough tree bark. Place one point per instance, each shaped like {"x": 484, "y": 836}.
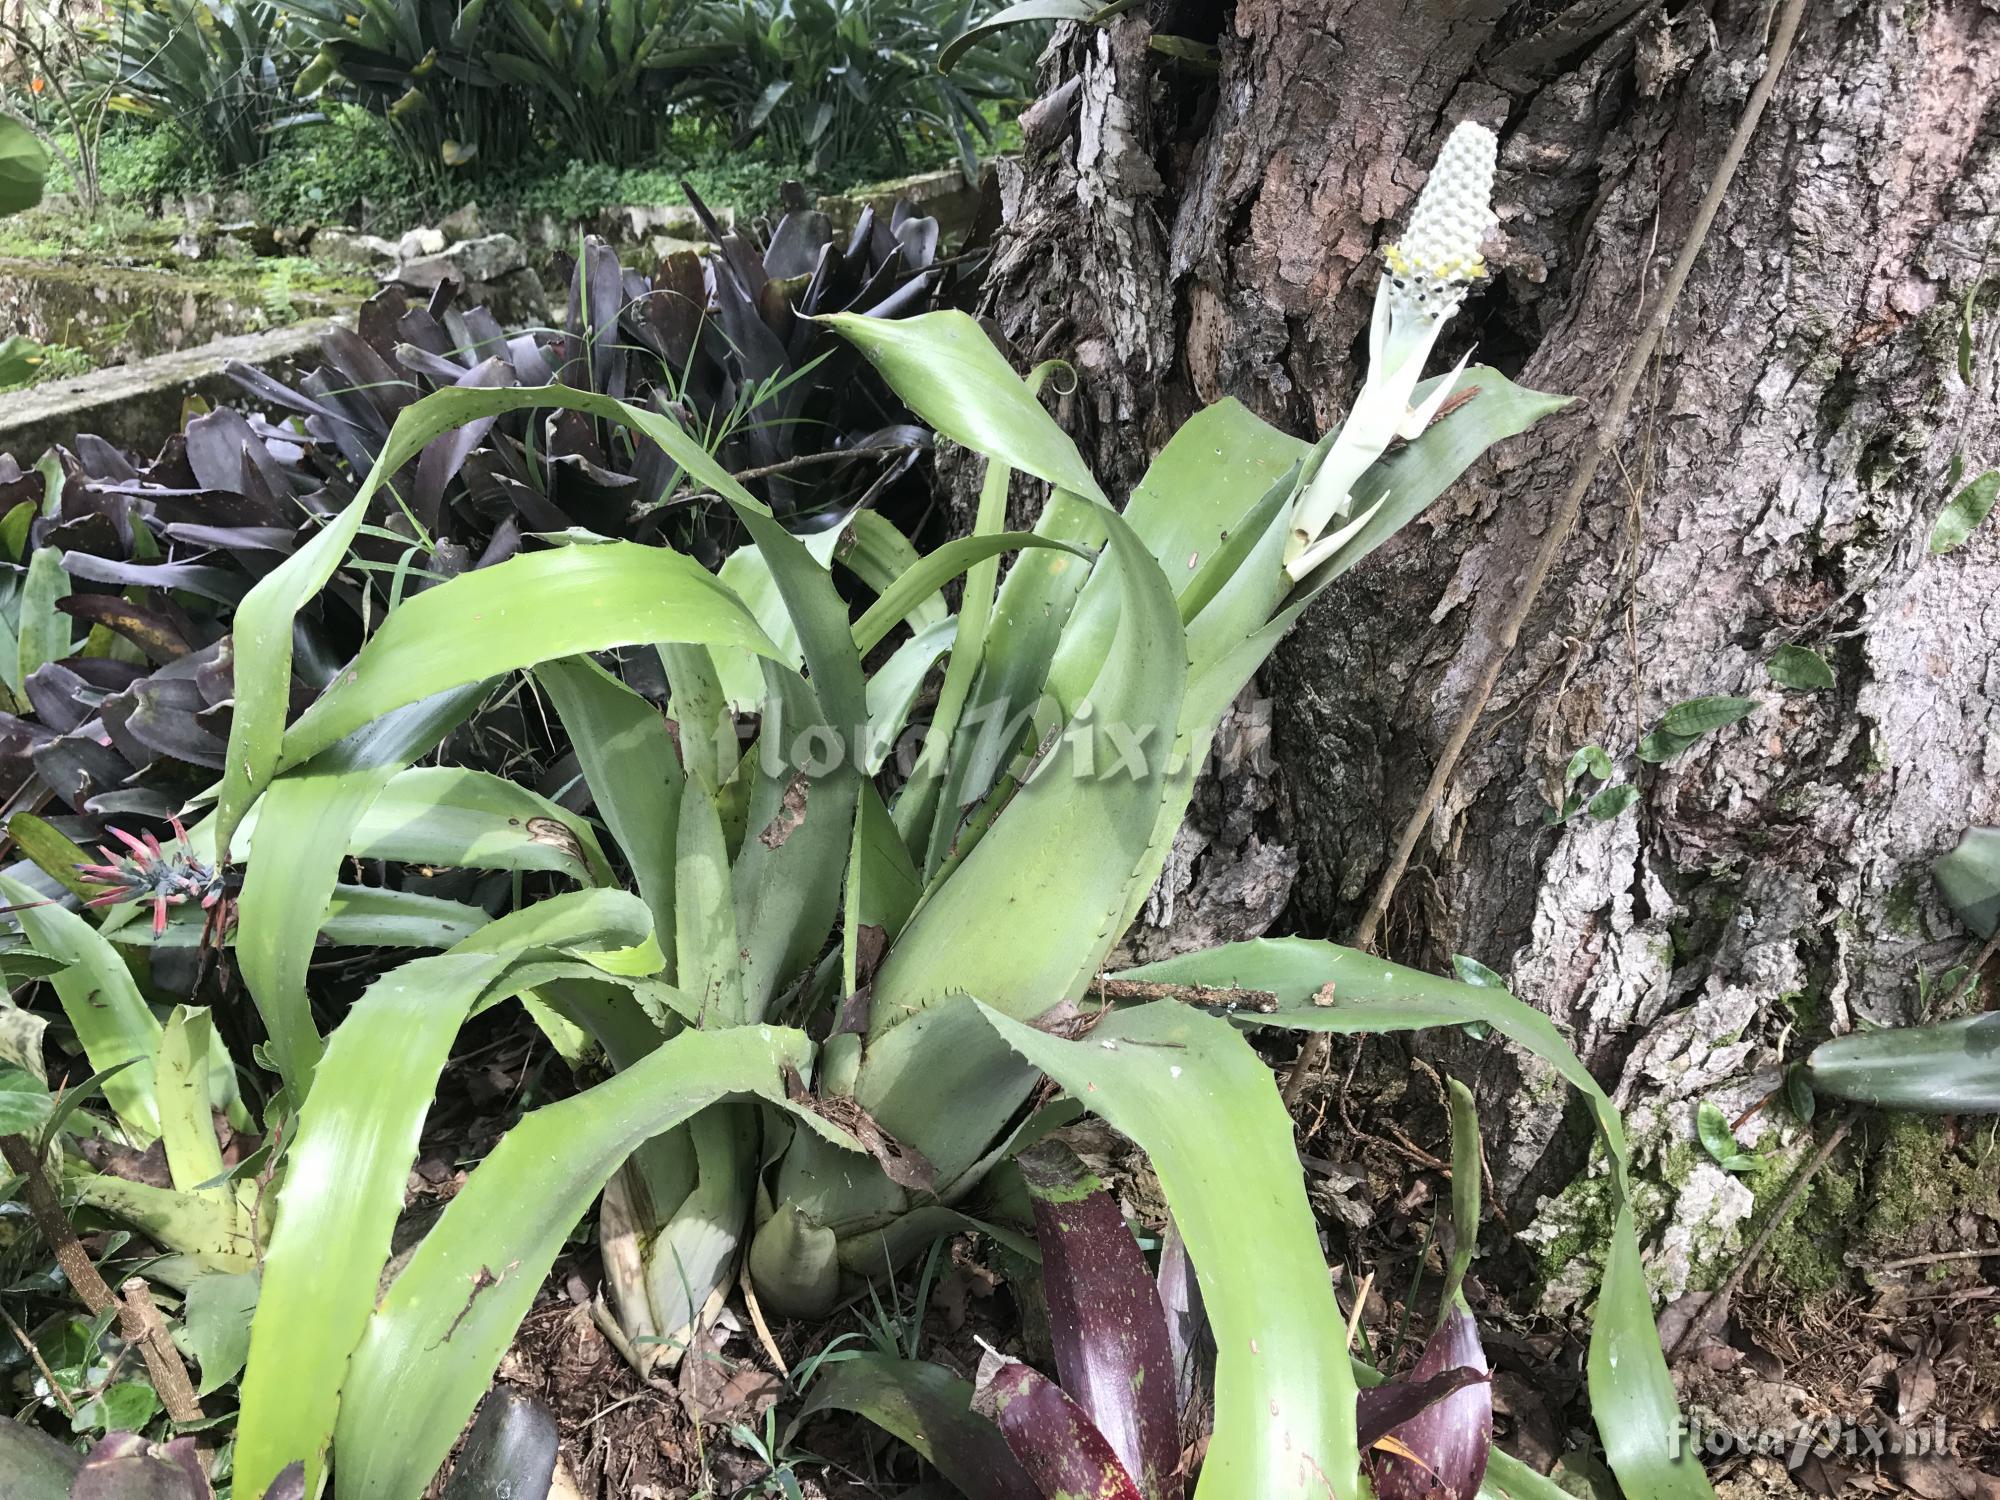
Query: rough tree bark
{"x": 1185, "y": 235}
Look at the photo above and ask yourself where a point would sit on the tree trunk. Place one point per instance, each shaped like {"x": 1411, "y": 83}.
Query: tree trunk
{"x": 1185, "y": 235}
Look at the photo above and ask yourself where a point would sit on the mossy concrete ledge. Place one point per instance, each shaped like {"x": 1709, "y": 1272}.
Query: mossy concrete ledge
{"x": 136, "y": 405}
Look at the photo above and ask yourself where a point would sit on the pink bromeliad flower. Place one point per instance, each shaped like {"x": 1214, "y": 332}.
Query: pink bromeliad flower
{"x": 150, "y": 873}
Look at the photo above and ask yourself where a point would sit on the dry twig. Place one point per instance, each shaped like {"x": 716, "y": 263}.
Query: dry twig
{"x": 138, "y": 1320}
{"x": 1703, "y": 1324}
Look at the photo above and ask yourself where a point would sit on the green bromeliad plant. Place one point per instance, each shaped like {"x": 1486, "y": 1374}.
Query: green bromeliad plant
{"x": 827, "y": 980}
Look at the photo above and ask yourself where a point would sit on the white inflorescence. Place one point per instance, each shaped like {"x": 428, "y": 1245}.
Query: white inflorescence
{"x": 1438, "y": 255}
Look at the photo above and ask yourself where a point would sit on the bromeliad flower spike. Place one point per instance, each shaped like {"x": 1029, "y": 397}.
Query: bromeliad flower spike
{"x": 149, "y": 873}
{"x": 1428, "y": 271}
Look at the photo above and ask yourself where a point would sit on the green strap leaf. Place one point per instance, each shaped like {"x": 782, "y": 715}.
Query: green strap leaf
{"x": 1060, "y": 859}
{"x": 938, "y": 568}
{"x": 1392, "y": 493}
{"x": 111, "y": 1020}
{"x": 873, "y": 550}
{"x": 1971, "y": 505}
{"x": 929, "y": 1408}
{"x": 345, "y": 1174}
{"x": 947, "y": 371}
{"x": 1403, "y": 483}
{"x": 23, "y": 165}
{"x": 448, "y": 815}
{"x": 1631, "y": 1391}
{"x": 1952, "y": 1067}
{"x": 893, "y": 690}
{"x": 44, "y": 630}
{"x": 629, "y": 764}
{"x": 429, "y": 1352}
{"x": 1465, "y": 1168}
{"x": 305, "y": 827}
{"x": 262, "y": 634}
{"x": 187, "y": 1128}
{"x": 1014, "y": 15}
{"x": 1968, "y": 877}
{"x": 1198, "y": 1100}
{"x": 337, "y": 1209}
{"x": 52, "y": 852}
{"x": 707, "y": 956}
{"x": 528, "y": 610}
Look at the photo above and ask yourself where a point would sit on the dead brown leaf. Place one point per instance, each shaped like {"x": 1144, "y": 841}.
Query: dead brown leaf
{"x": 1941, "y": 1477}
{"x": 790, "y": 815}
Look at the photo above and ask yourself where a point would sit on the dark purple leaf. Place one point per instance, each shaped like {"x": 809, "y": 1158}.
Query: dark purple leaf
{"x": 131, "y": 803}
{"x": 267, "y": 387}
{"x": 224, "y": 453}
{"x": 222, "y": 585}
{"x": 36, "y": 1465}
{"x": 917, "y": 236}
{"x": 444, "y": 456}
{"x": 511, "y": 1450}
{"x": 1113, "y": 1353}
{"x": 290, "y": 1483}
{"x": 154, "y": 631}
{"x": 476, "y": 334}
{"x": 355, "y": 429}
{"x": 60, "y": 697}
{"x": 1381, "y": 1409}
{"x": 503, "y": 544}
{"x": 103, "y": 674}
{"x": 80, "y": 765}
{"x": 437, "y": 368}
{"x": 859, "y": 241}
{"x": 530, "y": 362}
{"x": 19, "y": 738}
{"x": 202, "y": 507}
{"x": 1055, "y": 1441}
{"x": 1450, "y": 1437}
{"x": 279, "y": 539}
{"x": 95, "y": 531}
{"x": 797, "y": 243}
{"x": 908, "y": 299}
{"x": 363, "y": 370}
{"x": 419, "y": 331}
{"x": 162, "y": 713}
{"x": 101, "y": 460}
{"x": 124, "y": 1466}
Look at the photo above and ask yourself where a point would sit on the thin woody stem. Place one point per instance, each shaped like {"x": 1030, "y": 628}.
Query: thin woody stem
{"x": 138, "y": 1320}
